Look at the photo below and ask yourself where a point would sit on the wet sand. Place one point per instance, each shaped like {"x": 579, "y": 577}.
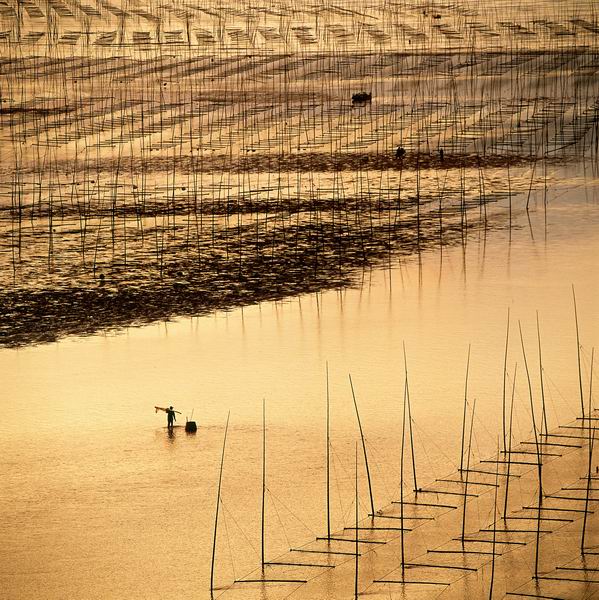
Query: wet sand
{"x": 292, "y": 250}
{"x": 300, "y": 162}
{"x": 138, "y": 187}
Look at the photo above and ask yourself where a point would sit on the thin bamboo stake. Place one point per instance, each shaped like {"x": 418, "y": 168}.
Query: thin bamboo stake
{"x": 544, "y": 414}
{"x": 539, "y": 463}
{"x": 464, "y": 415}
{"x": 494, "y": 528}
{"x": 591, "y": 445}
{"x": 538, "y": 532}
{"x": 401, "y": 494}
{"x": 220, "y": 476}
{"x": 467, "y": 473}
{"x": 578, "y": 354}
{"x": 363, "y": 446}
{"x": 509, "y": 456}
{"x": 507, "y": 334}
{"x": 357, "y": 547}
{"x": 407, "y": 392}
{"x": 328, "y": 458}
{"x": 263, "y": 477}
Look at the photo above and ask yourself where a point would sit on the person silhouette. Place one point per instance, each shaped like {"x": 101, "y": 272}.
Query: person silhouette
{"x": 170, "y": 417}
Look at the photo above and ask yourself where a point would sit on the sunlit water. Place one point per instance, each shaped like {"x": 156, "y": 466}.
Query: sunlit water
{"x": 98, "y": 501}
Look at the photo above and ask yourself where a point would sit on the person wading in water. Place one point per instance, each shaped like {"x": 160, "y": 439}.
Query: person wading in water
{"x": 170, "y": 417}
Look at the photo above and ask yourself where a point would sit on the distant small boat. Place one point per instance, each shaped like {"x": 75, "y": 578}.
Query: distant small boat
{"x": 361, "y": 98}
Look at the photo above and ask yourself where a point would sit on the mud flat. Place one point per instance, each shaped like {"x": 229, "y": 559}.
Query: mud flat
{"x": 97, "y": 267}
{"x": 165, "y": 160}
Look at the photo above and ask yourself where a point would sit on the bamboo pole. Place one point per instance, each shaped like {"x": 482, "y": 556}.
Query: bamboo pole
{"x": 220, "y": 476}
{"x": 591, "y": 445}
{"x": 363, "y": 447}
{"x": 578, "y": 354}
{"x": 263, "y": 479}
{"x": 407, "y": 393}
{"x": 507, "y": 334}
{"x": 357, "y": 546}
{"x": 464, "y": 414}
{"x": 328, "y": 458}
{"x": 544, "y": 414}
{"x": 401, "y": 475}
{"x": 539, "y": 462}
{"x": 467, "y": 473}
{"x": 509, "y": 452}
{"x": 494, "y": 528}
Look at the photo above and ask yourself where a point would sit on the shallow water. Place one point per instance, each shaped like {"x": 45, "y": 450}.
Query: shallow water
{"x": 98, "y": 501}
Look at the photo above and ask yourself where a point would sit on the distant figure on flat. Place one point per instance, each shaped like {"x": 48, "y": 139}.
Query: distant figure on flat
{"x": 170, "y": 415}
{"x": 400, "y": 152}
{"x": 361, "y": 98}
